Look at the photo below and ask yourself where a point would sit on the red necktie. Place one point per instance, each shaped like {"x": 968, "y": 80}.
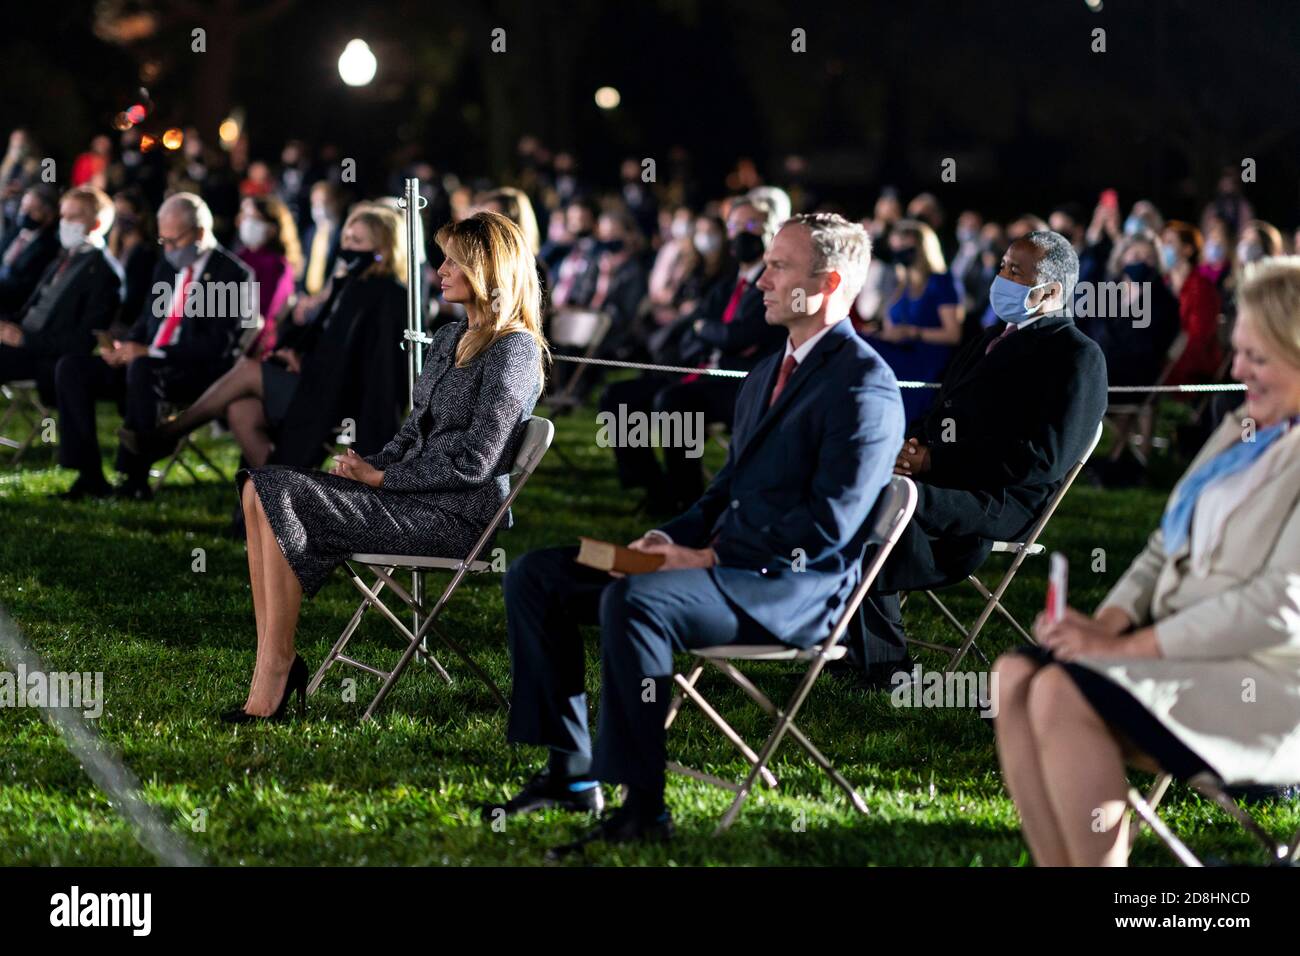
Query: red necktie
{"x": 173, "y": 321}
{"x": 787, "y": 369}
{"x": 729, "y": 312}
{"x": 998, "y": 341}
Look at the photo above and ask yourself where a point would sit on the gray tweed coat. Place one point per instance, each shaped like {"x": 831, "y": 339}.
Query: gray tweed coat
{"x": 446, "y": 471}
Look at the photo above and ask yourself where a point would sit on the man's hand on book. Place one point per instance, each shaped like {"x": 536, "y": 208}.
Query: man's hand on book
{"x": 676, "y": 558}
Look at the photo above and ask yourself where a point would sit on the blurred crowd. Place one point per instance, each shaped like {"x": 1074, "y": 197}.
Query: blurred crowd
{"x": 650, "y": 266}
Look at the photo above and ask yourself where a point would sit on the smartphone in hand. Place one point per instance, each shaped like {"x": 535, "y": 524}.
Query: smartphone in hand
{"x": 1056, "y": 587}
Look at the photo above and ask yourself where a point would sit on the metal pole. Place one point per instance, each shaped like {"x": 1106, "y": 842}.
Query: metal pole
{"x": 415, "y": 339}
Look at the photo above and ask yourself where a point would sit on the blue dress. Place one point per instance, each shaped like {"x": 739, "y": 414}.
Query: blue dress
{"x": 919, "y": 361}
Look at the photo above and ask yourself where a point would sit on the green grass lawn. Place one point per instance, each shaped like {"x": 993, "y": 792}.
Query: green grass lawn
{"x": 109, "y": 586}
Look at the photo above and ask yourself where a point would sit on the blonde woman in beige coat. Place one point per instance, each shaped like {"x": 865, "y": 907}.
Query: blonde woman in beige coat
{"x": 1192, "y": 662}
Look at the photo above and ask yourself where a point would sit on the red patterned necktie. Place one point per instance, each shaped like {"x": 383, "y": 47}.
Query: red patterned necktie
{"x": 787, "y": 369}
{"x": 998, "y": 341}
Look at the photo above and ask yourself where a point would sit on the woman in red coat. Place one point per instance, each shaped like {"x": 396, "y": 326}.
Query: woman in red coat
{"x": 1199, "y": 304}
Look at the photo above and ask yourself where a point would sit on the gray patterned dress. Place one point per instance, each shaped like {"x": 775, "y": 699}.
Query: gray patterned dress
{"x": 446, "y": 471}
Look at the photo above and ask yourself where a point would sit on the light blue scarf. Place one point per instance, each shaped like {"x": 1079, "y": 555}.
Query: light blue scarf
{"x": 1177, "y": 521}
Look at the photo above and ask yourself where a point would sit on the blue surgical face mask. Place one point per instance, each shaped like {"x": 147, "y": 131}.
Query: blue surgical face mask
{"x": 1214, "y": 252}
{"x": 1009, "y": 300}
{"x": 1168, "y": 256}
{"x": 1133, "y": 225}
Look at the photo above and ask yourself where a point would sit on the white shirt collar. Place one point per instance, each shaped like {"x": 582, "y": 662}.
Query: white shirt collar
{"x": 751, "y": 274}
{"x": 801, "y": 353}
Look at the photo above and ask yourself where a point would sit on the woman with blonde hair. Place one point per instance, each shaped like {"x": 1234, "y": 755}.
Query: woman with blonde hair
{"x": 286, "y": 401}
{"x": 1192, "y": 662}
{"x": 922, "y": 327}
{"x": 435, "y": 486}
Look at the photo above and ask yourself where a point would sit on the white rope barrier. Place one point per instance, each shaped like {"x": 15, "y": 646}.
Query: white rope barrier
{"x": 735, "y": 373}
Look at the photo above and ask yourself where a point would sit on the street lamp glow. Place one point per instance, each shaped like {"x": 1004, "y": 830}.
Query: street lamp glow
{"x": 357, "y": 64}
{"x": 607, "y": 98}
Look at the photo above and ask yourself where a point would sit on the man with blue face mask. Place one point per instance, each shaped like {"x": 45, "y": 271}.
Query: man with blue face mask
{"x": 201, "y": 296}
{"x": 1017, "y": 408}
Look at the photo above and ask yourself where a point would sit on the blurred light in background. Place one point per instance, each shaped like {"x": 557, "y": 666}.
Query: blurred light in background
{"x": 608, "y": 98}
{"x": 173, "y": 138}
{"x": 357, "y": 65}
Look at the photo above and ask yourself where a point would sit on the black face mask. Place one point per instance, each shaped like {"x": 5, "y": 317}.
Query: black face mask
{"x": 747, "y": 247}
{"x": 905, "y": 257}
{"x": 1139, "y": 271}
{"x": 582, "y": 234}
{"x": 613, "y": 245}
{"x": 354, "y": 257}
{"x": 25, "y": 221}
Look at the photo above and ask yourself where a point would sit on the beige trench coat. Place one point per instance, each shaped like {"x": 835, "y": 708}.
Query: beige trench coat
{"x": 1228, "y": 683}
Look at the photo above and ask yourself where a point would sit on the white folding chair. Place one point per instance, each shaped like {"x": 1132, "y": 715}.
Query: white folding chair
{"x": 1215, "y": 790}
{"x": 24, "y": 410}
{"x": 583, "y": 329}
{"x": 1019, "y": 550}
{"x": 536, "y": 439}
{"x": 889, "y": 516}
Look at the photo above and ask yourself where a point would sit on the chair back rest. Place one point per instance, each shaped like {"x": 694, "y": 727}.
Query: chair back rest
{"x": 578, "y": 328}
{"x": 538, "y": 434}
{"x": 1059, "y": 495}
{"x": 890, "y": 515}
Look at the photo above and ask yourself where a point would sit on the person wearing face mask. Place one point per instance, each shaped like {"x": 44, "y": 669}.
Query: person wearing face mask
{"x": 29, "y": 246}
{"x": 341, "y": 359}
{"x": 676, "y": 259}
{"x": 1017, "y": 409}
{"x": 77, "y": 295}
{"x": 1199, "y": 305}
{"x": 200, "y": 298}
{"x": 268, "y": 243}
{"x": 133, "y": 246}
{"x": 727, "y": 330}
{"x": 573, "y": 259}
{"x": 620, "y": 284}
{"x": 923, "y": 325}
{"x": 1136, "y": 341}
{"x": 321, "y": 240}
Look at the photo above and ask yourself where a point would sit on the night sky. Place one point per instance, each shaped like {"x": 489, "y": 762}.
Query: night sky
{"x": 885, "y": 91}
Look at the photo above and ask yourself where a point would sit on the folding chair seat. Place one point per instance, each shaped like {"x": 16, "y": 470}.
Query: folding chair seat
{"x": 1019, "y": 550}
{"x": 889, "y": 516}
{"x": 575, "y": 329}
{"x": 1215, "y": 790}
{"x": 537, "y": 436}
{"x": 25, "y": 411}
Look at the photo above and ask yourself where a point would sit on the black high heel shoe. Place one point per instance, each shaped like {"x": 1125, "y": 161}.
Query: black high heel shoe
{"x": 297, "y": 681}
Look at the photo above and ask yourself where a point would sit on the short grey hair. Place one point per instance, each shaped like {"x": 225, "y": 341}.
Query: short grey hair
{"x": 1059, "y": 263}
{"x": 195, "y": 212}
{"x": 777, "y": 198}
{"x": 838, "y": 246}
{"x": 771, "y": 218}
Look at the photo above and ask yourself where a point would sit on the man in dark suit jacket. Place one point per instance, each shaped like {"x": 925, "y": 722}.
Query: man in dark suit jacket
{"x": 729, "y": 330}
{"x": 1018, "y": 408}
{"x": 78, "y": 294}
{"x": 769, "y": 554}
{"x": 200, "y": 299}
{"x": 29, "y": 247}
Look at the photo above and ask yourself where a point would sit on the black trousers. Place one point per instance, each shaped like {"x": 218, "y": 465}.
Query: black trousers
{"x": 18, "y": 364}
{"x": 948, "y": 538}
{"x": 681, "y": 479}
{"x": 81, "y": 380}
{"x": 644, "y": 619}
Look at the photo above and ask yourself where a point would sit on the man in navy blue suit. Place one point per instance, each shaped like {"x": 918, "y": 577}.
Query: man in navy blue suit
{"x": 768, "y": 554}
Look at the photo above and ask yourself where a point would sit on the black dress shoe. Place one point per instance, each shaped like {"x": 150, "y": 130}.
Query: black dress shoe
{"x": 619, "y": 827}
{"x": 82, "y": 489}
{"x": 151, "y": 445}
{"x": 133, "y": 491}
{"x": 297, "y": 681}
{"x": 543, "y": 791}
